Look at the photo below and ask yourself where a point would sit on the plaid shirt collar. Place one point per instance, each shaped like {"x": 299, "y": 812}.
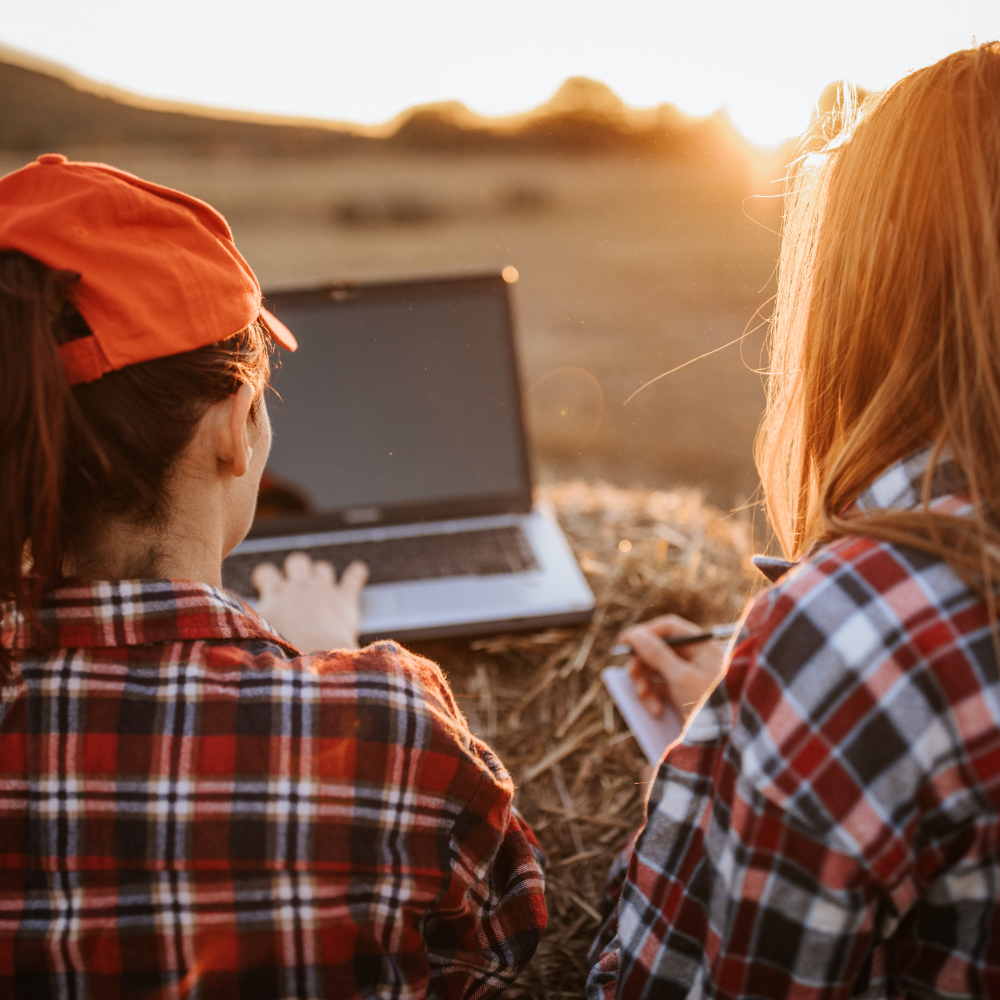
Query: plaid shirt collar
{"x": 119, "y": 613}
{"x": 899, "y": 487}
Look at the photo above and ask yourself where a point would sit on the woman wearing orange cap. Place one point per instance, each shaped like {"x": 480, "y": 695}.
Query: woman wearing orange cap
{"x": 829, "y": 824}
{"x": 188, "y": 804}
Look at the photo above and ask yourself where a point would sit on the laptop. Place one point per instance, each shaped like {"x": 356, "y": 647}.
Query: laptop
{"x": 399, "y": 439}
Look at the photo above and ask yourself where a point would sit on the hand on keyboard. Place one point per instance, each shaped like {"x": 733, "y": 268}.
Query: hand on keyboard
{"x": 308, "y": 606}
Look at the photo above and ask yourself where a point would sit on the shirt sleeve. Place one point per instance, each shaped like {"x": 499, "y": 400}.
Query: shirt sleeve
{"x": 487, "y": 921}
{"x": 748, "y": 880}
{"x": 613, "y": 885}
{"x": 449, "y": 878}
{"x": 491, "y": 915}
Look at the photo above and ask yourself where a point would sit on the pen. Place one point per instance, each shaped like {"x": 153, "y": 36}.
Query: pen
{"x": 716, "y": 632}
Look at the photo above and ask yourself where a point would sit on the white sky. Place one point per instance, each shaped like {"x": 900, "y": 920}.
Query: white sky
{"x": 764, "y": 61}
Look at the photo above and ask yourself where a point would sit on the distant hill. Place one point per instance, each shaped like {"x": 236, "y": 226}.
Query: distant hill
{"x": 46, "y": 107}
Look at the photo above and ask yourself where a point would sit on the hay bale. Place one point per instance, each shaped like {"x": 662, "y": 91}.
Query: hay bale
{"x": 537, "y": 698}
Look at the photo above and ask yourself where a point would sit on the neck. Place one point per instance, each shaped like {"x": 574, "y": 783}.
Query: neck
{"x": 188, "y": 544}
{"x": 210, "y": 496}
{"x": 121, "y": 551}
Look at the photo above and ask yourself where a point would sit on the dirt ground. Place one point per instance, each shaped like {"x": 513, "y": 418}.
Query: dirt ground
{"x": 627, "y": 268}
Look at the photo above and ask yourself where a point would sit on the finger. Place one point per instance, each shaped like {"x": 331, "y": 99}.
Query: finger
{"x": 665, "y": 625}
{"x": 656, "y": 654}
{"x": 322, "y": 572}
{"x": 652, "y": 704}
{"x": 298, "y": 567}
{"x": 673, "y": 625}
{"x": 266, "y": 577}
{"x": 353, "y": 579}
{"x": 638, "y": 671}
{"x": 650, "y": 698}
{"x": 639, "y": 683}
{"x": 655, "y": 682}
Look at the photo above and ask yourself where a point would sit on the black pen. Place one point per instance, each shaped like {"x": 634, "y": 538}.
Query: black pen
{"x": 716, "y": 632}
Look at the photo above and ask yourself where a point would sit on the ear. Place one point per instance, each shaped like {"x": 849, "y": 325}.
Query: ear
{"x": 234, "y": 449}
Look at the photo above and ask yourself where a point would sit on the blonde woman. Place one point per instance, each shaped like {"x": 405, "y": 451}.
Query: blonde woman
{"x": 828, "y": 824}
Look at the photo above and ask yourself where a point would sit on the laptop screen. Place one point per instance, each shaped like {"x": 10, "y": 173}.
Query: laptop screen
{"x": 400, "y": 397}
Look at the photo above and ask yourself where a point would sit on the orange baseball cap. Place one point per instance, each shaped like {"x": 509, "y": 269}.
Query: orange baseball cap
{"x": 159, "y": 272}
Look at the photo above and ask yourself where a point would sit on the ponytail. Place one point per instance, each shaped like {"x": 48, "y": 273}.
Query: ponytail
{"x": 38, "y": 415}
{"x": 71, "y": 457}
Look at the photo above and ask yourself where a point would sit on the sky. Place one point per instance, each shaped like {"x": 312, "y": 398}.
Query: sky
{"x": 764, "y": 62}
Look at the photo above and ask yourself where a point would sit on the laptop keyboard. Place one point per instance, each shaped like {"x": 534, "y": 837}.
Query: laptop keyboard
{"x": 483, "y": 552}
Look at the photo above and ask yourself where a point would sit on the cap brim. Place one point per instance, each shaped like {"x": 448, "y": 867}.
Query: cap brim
{"x": 278, "y": 330}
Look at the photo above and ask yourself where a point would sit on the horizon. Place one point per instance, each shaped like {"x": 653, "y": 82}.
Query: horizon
{"x": 764, "y": 68}
{"x": 595, "y": 96}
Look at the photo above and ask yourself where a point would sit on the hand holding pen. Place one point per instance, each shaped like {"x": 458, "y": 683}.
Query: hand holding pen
{"x": 719, "y": 633}
{"x": 673, "y": 662}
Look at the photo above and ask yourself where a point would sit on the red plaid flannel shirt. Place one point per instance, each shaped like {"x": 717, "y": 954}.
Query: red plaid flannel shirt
{"x": 189, "y": 808}
{"x": 828, "y": 826}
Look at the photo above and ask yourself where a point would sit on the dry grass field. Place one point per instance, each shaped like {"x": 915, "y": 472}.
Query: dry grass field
{"x": 627, "y": 268}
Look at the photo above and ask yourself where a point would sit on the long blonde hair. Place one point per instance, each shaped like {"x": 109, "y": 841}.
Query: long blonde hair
{"x": 886, "y": 334}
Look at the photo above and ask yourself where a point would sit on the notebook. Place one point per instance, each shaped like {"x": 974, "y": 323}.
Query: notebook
{"x": 653, "y": 733}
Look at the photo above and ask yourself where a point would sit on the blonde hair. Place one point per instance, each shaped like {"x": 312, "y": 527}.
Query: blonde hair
{"x": 886, "y": 335}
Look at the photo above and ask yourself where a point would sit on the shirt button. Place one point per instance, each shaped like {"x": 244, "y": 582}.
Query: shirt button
{"x": 52, "y": 158}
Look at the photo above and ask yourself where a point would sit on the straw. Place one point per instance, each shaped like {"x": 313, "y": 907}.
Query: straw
{"x": 536, "y": 697}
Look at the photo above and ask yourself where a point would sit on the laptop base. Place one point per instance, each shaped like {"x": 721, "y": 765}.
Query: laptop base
{"x": 482, "y": 628}
{"x": 553, "y": 592}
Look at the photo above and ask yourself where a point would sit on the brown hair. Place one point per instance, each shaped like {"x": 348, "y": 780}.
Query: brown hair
{"x": 70, "y": 457}
{"x": 886, "y": 335}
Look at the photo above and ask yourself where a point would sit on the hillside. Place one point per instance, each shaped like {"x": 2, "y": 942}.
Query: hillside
{"x": 44, "y": 106}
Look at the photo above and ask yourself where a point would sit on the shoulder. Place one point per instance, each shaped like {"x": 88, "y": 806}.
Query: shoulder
{"x": 842, "y": 682}
{"x": 384, "y": 664}
{"x": 385, "y": 698}
{"x": 854, "y": 603}
{"x": 843, "y": 609}
{"x": 385, "y": 673}
{"x": 382, "y": 672}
